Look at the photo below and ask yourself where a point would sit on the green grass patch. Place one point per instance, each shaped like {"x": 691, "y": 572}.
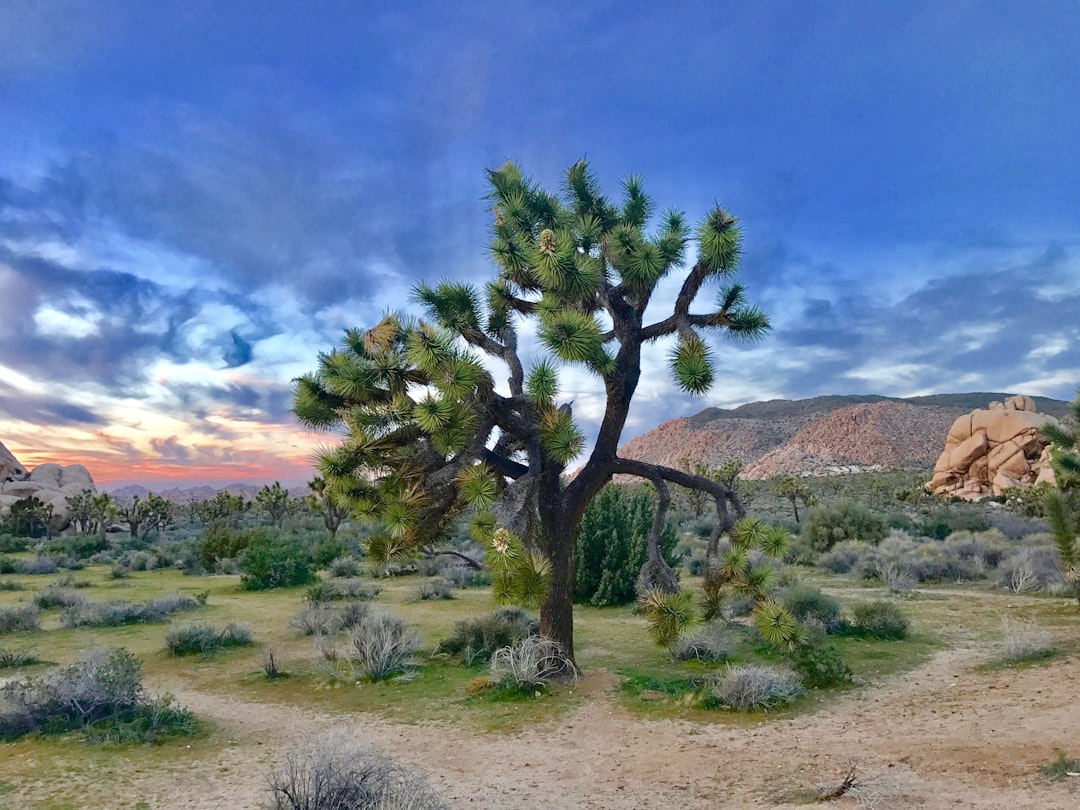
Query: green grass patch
{"x": 1062, "y": 767}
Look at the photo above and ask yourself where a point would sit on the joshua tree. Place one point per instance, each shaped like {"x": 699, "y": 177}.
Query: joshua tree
{"x": 1062, "y": 505}
{"x": 794, "y": 490}
{"x": 333, "y": 513}
{"x": 274, "y": 501}
{"x": 428, "y": 432}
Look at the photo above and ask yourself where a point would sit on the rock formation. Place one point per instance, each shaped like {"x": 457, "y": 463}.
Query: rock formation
{"x": 49, "y": 483}
{"x": 987, "y": 451}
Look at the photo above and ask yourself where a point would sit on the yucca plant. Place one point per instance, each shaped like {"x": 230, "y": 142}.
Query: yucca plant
{"x": 1062, "y": 505}
{"x": 736, "y": 573}
{"x": 427, "y": 432}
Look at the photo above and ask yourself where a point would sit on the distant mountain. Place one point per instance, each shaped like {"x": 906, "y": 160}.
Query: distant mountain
{"x": 820, "y": 436}
{"x": 196, "y": 493}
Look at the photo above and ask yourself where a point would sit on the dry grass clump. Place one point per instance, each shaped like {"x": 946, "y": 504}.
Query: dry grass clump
{"x": 332, "y": 772}
{"x": 753, "y": 686}
{"x": 1024, "y": 640}
{"x": 530, "y": 663}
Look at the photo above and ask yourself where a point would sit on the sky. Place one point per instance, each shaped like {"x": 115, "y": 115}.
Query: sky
{"x": 196, "y": 198}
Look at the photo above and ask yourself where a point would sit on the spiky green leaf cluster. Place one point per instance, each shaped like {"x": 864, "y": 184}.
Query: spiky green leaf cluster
{"x": 1062, "y": 505}
{"x": 518, "y": 575}
{"x": 559, "y": 435}
{"x": 691, "y": 365}
{"x": 668, "y": 615}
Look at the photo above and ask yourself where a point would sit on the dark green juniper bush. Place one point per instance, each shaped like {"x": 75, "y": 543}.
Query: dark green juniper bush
{"x": 427, "y": 435}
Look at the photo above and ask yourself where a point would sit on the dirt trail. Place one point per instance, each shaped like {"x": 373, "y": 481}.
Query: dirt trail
{"x": 968, "y": 739}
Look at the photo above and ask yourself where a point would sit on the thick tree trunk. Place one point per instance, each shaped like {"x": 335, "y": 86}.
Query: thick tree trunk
{"x": 557, "y": 610}
{"x": 656, "y": 574}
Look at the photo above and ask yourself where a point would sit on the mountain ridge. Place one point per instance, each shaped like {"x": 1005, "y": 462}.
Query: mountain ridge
{"x": 823, "y": 435}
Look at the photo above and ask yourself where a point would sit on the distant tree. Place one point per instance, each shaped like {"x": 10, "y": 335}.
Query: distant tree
{"x": 29, "y": 517}
{"x": 160, "y": 513}
{"x": 427, "y": 434}
{"x": 275, "y": 502}
{"x": 1062, "y": 505}
{"x": 327, "y": 505}
{"x": 725, "y": 474}
{"x": 794, "y": 490}
{"x": 102, "y": 513}
{"x": 223, "y": 509}
{"x": 81, "y": 508}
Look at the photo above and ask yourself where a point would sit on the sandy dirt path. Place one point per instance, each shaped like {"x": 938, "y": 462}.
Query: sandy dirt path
{"x": 957, "y": 736}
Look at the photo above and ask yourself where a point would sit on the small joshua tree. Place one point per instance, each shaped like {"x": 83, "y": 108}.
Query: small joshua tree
{"x": 1062, "y": 505}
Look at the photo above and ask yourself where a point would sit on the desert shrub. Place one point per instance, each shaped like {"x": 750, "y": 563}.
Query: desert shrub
{"x": 78, "y": 546}
{"x": 1063, "y": 767}
{"x": 752, "y": 686}
{"x": 271, "y": 561}
{"x": 612, "y": 545}
{"x": 433, "y": 588}
{"x": 351, "y": 614}
{"x": 985, "y": 548}
{"x": 1024, "y": 640}
{"x": 940, "y": 523}
{"x": 71, "y": 581}
{"x": 326, "y": 551}
{"x": 529, "y": 663}
{"x": 11, "y": 544}
{"x": 336, "y": 590}
{"x": 140, "y": 561}
{"x": 935, "y": 562}
{"x": 119, "y": 571}
{"x": 202, "y": 639}
{"x": 1016, "y": 526}
{"x": 879, "y": 619}
{"x": 219, "y": 542}
{"x": 118, "y": 612}
{"x": 331, "y": 772}
{"x": 19, "y": 618}
{"x": 10, "y": 658}
{"x": 344, "y": 566}
{"x": 9, "y": 565}
{"x": 56, "y": 596}
{"x": 477, "y": 639}
{"x": 712, "y": 642}
{"x": 740, "y": 607}
{"x": 819, "y": 664}
{"x": 825, "y": 526}
{"x": 381, "y": 645}
{"x": 102, "y": 694}
{"x": 808, "y": 604}
{"x": 843, "y": 557}
{"x": 462, "y": 576}
{"x": 317, "y": 619}
{"x": 40, "y": 566}
{"x": 11, "y": 585}
{"x": 1031, "y": 568}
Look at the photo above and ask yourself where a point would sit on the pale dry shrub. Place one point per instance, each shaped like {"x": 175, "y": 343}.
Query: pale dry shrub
{"x": 332, "y": 772}
{"x": 316, "y": 620}
{"x": 1024, "y": 640}
{"x": 19, "y": 618}
{"x": 753, "y": 686}
{"x": 530, "y": 663}
{"x": 381, "y": 645}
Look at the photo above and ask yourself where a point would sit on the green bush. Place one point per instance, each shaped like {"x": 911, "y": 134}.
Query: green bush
{"x": 477, "y": 639}
{"x": 328, "y": 550}
{"x": 202, "y": 639}
{"x": 612, "y": 545}
{"x": 271, "y": 561}
{"x": 819, "y": 664}
{"x": 79, "y": 546}
{"x": 825, "y": 526}
{"x": 338, "y": 590}
{"x": 810, "y": 606}
{"x": 940, "y": 523}
{"x": 880, "y": 619}
{"x": 221, "y": 542}
{"x": 10, "y": 544}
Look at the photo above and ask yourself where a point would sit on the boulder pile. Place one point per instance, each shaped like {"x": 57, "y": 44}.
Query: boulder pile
{"x": 49, "y": 483}
{"x": 988, "y": 451}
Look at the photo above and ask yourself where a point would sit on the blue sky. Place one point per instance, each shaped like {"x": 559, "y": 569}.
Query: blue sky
{"x": 196, "y": 198}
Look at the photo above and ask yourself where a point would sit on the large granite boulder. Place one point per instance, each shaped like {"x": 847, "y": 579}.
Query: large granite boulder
{"x": 989, "y": 450}
{"x": 49, "y": 483}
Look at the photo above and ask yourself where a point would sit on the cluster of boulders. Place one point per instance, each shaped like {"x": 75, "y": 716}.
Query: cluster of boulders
{"x": 988, "y": 451}
{"x": 49, "y": 483}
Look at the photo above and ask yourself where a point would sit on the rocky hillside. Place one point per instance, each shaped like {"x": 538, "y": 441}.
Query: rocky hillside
{"x": 820, "y": 436}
